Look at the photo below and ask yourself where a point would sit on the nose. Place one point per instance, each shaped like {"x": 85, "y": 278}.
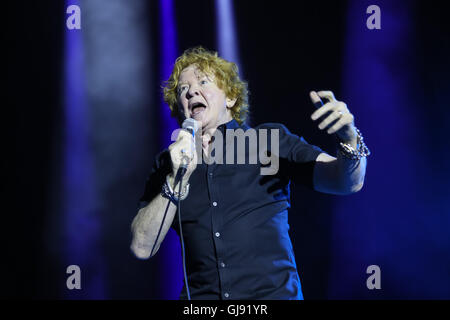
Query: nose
{"x": 193, "y": 91}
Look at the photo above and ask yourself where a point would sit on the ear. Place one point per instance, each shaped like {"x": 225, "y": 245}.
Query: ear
{"x": 231, "y": 103}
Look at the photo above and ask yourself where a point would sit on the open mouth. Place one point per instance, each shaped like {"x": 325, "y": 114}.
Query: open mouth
{"x": 197, "y": 108}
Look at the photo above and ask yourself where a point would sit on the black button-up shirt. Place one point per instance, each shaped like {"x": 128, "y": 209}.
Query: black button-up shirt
{"x": 235, "y": 220}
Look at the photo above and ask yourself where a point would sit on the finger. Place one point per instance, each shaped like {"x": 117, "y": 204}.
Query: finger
{"x": 184, "y": 139}
{"x": 330, "y": 119}
{"x": 329, "y": 95}
{"x": 182, "y": 147}
{"x": 316, "y": 99}
{"x": 179, "y": 134}
{"x": 323, "y": 110}
{"x": 185, "y": 134}
{"x": 343, "y": 121}
{"x": 185, "y": 150}
{"x": 178, "y": 158}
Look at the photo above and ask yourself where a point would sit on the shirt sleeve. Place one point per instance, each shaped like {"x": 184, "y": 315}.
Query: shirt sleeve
{"x": 297, "y": 157}
{"x": 161, "y": 168}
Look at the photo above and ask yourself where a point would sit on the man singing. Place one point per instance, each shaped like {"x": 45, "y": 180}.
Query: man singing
{"x": 234, "y": 219}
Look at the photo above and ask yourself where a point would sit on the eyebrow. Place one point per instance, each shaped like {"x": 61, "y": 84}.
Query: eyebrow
{"x": 199, "y": 75}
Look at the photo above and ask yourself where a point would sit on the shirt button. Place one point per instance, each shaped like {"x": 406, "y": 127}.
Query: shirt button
{"x": 217, "y": 234}
{"x": 210, "y": 174}
{"x": 215, "y": 204}
{"x": 226, "y": 294}
{"x": 222, "y": 265}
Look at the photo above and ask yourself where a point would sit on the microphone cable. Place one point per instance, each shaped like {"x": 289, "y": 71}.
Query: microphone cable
{"x": 191, "y": 126}
{"x": 183, "y": 253}
{"x": 180, "y": 175}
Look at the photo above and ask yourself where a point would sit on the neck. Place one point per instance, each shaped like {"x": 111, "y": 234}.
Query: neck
{"x": 208, "y": 133}
{"x": 207, "y": 137}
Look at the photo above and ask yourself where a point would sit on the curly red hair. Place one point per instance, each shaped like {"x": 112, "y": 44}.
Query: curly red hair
{"x": 225, "y": 74}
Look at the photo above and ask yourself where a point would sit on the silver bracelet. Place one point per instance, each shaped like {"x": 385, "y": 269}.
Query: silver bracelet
{"x": 349, "y": 152}
{"x": 168, "y": 192}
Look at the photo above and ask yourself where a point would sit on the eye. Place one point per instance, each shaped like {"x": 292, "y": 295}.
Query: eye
{"x": 182, "y": 88}
{"x": 203, "y": 81}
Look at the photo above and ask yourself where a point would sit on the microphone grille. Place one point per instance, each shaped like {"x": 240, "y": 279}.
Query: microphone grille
{"x": 190, "y": 125}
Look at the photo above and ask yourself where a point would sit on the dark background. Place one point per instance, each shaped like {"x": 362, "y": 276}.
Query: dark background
{"x": 286, "y": 50}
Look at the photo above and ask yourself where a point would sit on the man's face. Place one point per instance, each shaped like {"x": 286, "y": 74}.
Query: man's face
{"x": 201, "y": 98}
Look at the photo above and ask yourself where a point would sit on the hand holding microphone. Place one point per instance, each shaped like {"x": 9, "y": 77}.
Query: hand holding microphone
{"x": 183, "y": 153}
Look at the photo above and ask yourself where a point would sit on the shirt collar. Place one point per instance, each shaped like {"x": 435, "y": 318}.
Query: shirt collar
{"x": 233, "y": 124}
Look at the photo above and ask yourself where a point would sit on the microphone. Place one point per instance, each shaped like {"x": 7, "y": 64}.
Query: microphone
{"x": 191, "y": 126}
